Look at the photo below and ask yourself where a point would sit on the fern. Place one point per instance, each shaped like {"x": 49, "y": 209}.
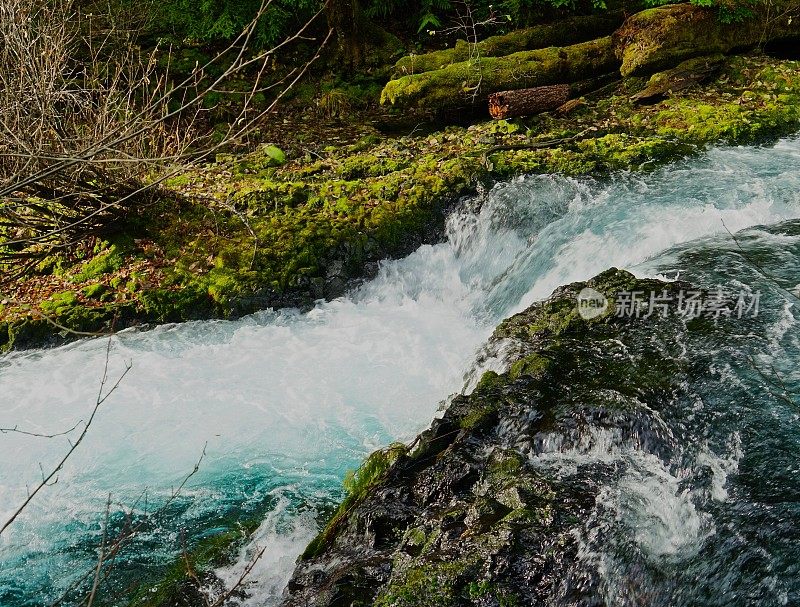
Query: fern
{"x": 210, "y": 20}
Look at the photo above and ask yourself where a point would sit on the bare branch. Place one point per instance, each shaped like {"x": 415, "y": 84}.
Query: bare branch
{"x": 67, "y": 183}
{"x": 101, "y": 398}
{"x": 16, "y": 430}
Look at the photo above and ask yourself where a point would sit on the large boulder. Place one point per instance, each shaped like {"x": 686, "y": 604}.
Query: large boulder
{"x": 465, "y": 517}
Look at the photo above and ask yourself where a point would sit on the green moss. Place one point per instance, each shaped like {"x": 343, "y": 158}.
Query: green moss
{"x": 360, "y": 166}
{"x": 489, "y": 592}
{"x": 430, "y": 585}
{"x": 462, "y": 83}
{"x": 95, "y": 291}
{"x": 415, "y": 537}
{"x": 478, "y": 416}
{"x": 357, "y": 484}
{"x": 504, "y": 466}
{"x": 754, "y": 118}
{"x": 534, "y": 365}
{"x": 23, "y": 331}
{"x": 107, "y": 261}
{"x": 560, "y": 33}
{"x": 60, "y": 303}
{"x": 620, "y": 151}
{"x": 489, "y": 380}
{"x": 174, "y": 305}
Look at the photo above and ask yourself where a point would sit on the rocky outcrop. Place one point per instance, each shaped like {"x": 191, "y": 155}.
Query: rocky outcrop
{"x": 466, "y": 516}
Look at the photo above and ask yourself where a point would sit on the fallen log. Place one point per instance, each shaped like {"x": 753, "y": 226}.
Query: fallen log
{"x": 468, "y": 83}
{"x": 687, "y": 74}
{"x": 560, "y": 33}
{"x": 660, "y": 38}
{"x": 526, "y": 102}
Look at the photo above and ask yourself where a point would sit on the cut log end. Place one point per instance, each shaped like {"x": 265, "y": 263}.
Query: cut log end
{"x": 526, "y": 102}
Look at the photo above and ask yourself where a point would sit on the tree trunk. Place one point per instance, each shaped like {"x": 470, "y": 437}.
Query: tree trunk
{"x": 526, "y": 102}
{"x": 344, "y": 18}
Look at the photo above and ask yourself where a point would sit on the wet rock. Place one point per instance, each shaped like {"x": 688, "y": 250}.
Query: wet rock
{"x": 473, "y": 514}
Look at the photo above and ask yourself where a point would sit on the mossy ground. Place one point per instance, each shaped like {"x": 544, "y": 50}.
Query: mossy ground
{"x": 252, "y": 231}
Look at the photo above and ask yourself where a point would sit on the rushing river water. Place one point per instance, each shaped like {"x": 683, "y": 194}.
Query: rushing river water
{"x": 283, "y": 403}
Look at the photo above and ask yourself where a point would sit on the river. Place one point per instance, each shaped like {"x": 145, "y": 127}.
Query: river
{"x": 283, "y": 403}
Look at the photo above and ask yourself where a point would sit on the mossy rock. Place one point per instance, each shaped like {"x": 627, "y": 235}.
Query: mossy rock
{"x": 660, "y": 38}
{"x": 470, "y": 517}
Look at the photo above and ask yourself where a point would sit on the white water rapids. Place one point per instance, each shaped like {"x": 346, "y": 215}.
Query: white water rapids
{"x": 285, "y": 402}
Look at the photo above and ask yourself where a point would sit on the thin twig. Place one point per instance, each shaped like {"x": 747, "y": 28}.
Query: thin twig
{"x": 101, "y": 398}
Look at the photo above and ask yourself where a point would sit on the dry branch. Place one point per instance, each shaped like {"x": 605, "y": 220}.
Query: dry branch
{"x": 81, "y": 156}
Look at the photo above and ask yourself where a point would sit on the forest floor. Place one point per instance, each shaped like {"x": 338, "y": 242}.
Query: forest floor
{"x": 326, "y": 196}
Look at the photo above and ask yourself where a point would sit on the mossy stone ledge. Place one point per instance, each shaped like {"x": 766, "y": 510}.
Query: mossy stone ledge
{"x": 466, "y": 517}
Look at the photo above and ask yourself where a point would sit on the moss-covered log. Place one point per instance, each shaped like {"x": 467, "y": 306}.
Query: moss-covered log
{"x": 661, "y": 38}
{"x": 526, "y": 102}
{"x": 467, "y": 83}
{"x": 563, "y": 32}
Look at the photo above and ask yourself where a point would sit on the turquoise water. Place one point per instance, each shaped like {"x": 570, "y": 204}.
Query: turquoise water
{"x": 283, "y": 403}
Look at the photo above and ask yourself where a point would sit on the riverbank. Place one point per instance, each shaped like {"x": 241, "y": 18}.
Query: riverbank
{"x": 270, "y": 230}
